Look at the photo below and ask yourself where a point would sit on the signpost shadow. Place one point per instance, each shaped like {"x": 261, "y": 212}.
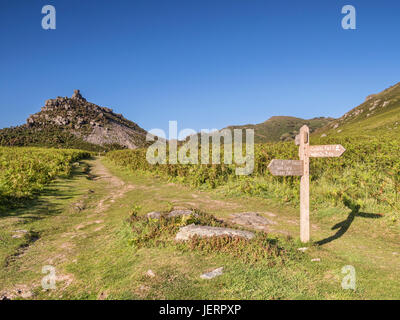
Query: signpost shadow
{"x": 345, "y": 225}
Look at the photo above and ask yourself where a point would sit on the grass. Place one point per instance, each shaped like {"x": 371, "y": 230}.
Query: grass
{"x": 95, "y": 259}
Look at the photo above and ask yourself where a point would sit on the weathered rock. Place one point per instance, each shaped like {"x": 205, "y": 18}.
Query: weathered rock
{"x": 77, "y": 95}
{"x": 79, "y": 206}
{"x": 172, "y": 214}
{"x": 59, "y": 120}
{"x": 177, "y": 213}
{"x": 187, "y": 232}
{"x": 150, "y": 273}
{"x": 20, "y": 291}
{"x": 212, "y": 274}
{"x": 252, "y": 219}
{"x": 19, "y": 234}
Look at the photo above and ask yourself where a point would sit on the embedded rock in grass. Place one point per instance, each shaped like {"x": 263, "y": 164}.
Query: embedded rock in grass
{"x": 19, "y": 234}
{"x": 212, "y": 274}
{"x": 154, "y": 215}
{"x": 150, "y": 273}
{"x": 252, "y": 219}
{"x": 185, "y": 233}
{"x": 172, "y": 214}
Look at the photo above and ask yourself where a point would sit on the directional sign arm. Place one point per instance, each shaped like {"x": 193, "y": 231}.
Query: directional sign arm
{"x": 286, "y": 167}
{"x": 325, "y": 151}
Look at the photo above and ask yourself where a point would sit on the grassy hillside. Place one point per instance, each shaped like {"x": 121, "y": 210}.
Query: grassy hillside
{"x": 281, "y": 128}
{"x": 378, "y": 114}
{"x": 51, "y": 136}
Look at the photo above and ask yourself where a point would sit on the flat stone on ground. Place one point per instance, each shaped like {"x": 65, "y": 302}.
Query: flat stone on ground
{"x": 212, "y": 274}
{"x": 172, "y": 214}
{"x": 150, "y": 273}
{"x": 252, "y": 219}
{"x": 185, "y": 233}
{"x": 19, "y": 234}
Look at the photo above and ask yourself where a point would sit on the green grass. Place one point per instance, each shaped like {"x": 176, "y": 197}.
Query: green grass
{"x": 100, "y": 260}
{"x": 24, "y": 172}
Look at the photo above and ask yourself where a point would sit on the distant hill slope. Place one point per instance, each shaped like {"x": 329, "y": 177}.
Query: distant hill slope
{"x": 378, "y": 114}
{"x": 75, "y": 123}
{"x": 281, "y": 128}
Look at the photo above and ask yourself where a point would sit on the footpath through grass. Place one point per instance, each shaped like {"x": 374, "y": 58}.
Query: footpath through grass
{"x": 81, "y": 227}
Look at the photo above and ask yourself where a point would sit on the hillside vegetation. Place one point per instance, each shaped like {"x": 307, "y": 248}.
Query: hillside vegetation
{"x": 378, "y": 115}
{"x": 281, "y": 128}
{"x": 366, "y": 176}
{"x": 24, "y": 172}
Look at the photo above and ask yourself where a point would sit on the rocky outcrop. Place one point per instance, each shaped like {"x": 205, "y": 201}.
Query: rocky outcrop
{"x": 88, "y": 121}
{"x": 77, "y": 95}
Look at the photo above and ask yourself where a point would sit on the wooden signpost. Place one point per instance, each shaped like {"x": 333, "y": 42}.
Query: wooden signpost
{"x": 302, "y": 168}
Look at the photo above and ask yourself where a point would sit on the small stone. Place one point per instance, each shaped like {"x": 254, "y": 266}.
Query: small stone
{"x": 316, "y": 260}
{"x": 179, "y": 213}
{"x": 212, "y": 274}
{"x": 21, "y": 231}
{"x": 185, "y": 233}
{"x": 102, "y": 296}
{"x": 150, "y": 273}
{"x": 172, "y": 214}
{"x": 19, "y": 234}
{"x": 154, "y": 215}
{"x": 252, "y": 219}
{"x": 302, "y": 249}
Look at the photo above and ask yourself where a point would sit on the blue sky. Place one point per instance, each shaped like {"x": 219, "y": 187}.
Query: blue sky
{"x": 204, "y": 63}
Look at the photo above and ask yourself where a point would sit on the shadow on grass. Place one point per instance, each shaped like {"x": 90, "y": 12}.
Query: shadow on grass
{"x": 345, "y": 224}
{"x": 41, "y": 206}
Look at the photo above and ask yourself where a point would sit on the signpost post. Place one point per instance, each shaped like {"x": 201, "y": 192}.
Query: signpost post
{"x": 302, "y": 168}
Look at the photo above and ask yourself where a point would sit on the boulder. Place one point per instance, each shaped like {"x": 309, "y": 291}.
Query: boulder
{"x": 187, "y": 232}
{"x": 172, "y": 214}
{"x": 252, "y": 220}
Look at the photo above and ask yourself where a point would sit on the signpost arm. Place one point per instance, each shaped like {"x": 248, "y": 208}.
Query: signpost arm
{"x": 304, "y": 154}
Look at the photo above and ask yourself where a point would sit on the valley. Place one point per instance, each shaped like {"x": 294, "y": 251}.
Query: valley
{"x": 90, "y": 248}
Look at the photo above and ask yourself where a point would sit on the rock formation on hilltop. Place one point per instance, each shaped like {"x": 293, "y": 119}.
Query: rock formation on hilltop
{"x": 76, "y": 119}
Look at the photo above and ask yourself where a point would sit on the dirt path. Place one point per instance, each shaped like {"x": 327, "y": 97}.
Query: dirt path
{"x": 115, "y": 186}
{"x": 60, "y": 239}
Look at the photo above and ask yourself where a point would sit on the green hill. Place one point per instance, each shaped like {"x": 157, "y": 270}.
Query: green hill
{"x": 281, "y": 128}
{"x": 378, "y": 115}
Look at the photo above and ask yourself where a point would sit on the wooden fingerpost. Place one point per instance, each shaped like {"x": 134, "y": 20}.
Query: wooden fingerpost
{"x": 301, "y": 168}
{"x": 304, "y": 155}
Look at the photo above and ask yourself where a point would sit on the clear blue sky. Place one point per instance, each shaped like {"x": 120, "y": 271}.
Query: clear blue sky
{"x": 205, "y": 63}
